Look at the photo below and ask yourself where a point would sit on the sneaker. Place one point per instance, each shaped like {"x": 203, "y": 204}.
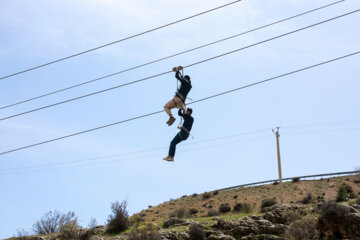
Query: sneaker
{"x": 169, "y": 159}
{"x": 171, "y": 121}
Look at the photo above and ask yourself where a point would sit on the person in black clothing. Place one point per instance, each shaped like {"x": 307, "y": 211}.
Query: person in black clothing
{"x": 180, "y": 96}
{"x": 183, "y": 134}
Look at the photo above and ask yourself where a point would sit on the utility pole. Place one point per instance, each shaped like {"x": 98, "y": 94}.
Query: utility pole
{"x": 276, "y": 132}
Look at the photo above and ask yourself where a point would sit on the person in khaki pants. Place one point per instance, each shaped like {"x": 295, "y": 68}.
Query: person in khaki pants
{"x": 180, "y": 96}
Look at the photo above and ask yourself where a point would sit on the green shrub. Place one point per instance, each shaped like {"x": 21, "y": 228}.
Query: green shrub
{"x": 303, "y": 229}
{"x": 144, "y": 232}
{"x": 118, "y": 220}
{"x": 180, "y": 213}
{"x": 215, "y": 192}
{"x": 70, "y": 231}
{"x": 193, "y": 211}
{"x": 268, "y": 202}
{"x": 196, "y": 232}
{"x": 333, "y": 218}
{"x": 224, "y": 208}
{"x": 206, "y": 195}
{"x": 307, "y": 199}
{"x": 242, "y": 207}
{"x": 342, "y": 194}
{"x": 213, "y": 213}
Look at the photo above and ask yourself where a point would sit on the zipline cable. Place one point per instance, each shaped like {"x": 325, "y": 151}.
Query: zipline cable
{"x": 196, "y": 101}
{"x": 120, "y": 40}
{"x": 187, "y": 66}
{"x": 171, "y": 56}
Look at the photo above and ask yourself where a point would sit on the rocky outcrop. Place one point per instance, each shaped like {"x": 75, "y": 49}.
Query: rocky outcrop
{"x": 250, "y": 226}
{"x": 284, "y": 213}
{"x": 174, "y": 236}
{"x": 262, "y": 237}
{"x": 175, "y": 222}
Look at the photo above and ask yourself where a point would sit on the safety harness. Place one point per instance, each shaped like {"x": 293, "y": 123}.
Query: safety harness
{"x": 183, "y": 99}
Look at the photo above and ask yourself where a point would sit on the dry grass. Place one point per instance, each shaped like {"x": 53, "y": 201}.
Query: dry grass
{"x": 293, "y": 192}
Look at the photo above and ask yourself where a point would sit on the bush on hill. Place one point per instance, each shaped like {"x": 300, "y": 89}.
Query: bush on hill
{"x": 268, "y": 202}
{"x": 118, "y": 219}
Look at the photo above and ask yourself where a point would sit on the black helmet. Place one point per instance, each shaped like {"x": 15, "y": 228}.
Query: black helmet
{"x": 187, "y": 77}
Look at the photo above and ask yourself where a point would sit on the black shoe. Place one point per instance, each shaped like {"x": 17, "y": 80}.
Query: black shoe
{"x": 170, "y": 121}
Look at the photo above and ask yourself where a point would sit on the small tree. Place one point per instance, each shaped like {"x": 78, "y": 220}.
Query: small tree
{"x": 342, "y": 194}
{"x": 92, "y": 223}
{"x": 118, "y": 220}
{"x": 21, "y": 234}
{"x": 52, "y": 222}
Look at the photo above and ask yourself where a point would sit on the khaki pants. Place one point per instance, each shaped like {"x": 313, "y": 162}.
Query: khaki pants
{"x": 173, "y": 103}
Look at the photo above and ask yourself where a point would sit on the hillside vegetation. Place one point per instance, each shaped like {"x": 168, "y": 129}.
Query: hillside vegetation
{"x": 253, "y": 213}
{"x": 324, "y": 189}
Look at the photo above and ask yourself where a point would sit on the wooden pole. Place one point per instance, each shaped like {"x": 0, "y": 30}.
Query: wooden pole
{"x": 276, "y": 132}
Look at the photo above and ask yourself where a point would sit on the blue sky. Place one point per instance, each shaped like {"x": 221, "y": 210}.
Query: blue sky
{"x": 32, "y": 33}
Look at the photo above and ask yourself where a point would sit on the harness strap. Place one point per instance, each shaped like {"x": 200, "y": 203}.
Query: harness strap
{"x": 179, "y": 95}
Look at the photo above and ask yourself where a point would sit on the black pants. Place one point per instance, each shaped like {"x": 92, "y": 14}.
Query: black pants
{"x": 181, "y": 136}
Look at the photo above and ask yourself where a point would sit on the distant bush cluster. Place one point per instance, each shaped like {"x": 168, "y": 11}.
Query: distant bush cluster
{"x": 268, "y": 203}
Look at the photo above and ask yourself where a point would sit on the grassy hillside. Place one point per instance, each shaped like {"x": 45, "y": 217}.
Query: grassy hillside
{"x": 293, "y": 191}
{"x": 230, "y": 224}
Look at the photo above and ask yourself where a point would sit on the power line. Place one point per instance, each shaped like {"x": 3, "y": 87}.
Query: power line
{"x": 16, "y": 171}
{"x": 344, "y": 122}
{"x": 200, "y": 100}
{"x": 317, "y": 124}
{"x": 187, "y": 66}
{"x": 171, "y": 56}
{"x": 136, "y": 158}
{"x": 322, "y": 131}
{"x": 133, "y": 153}
{"x": 120, "y": 40}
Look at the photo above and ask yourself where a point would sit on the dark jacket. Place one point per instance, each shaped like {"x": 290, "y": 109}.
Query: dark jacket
{"x": 188, "y": 120}
{"x": 184, "y": 88}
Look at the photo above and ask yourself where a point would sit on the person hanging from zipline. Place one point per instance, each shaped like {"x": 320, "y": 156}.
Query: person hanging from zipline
{"x": 180, "y": 96}
{"x": 183, "y": 134}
